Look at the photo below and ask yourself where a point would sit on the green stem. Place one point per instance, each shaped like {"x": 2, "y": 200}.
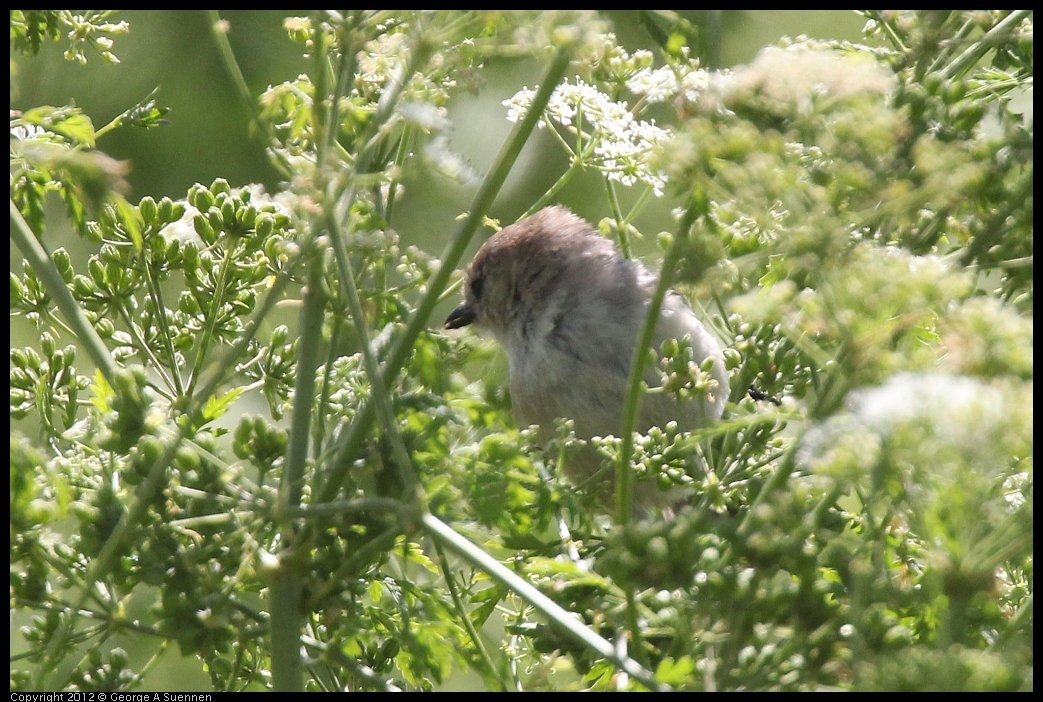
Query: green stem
{"x": 561, "y": 618}
{"x": 946, "y": 50}
{"x": 224, "y": 50}
{"x": 156, "y": 290}
{"x": 617, "y": 212}
{"x": 890, "y": 31}
{"x": 624, "y": 474}
{"x": 154, "y": 481}
{"x": 285, "y": 626}
{"x": 463, "y": 616}
{"x": 575, "y": 166}
{"x": 357, "y": 432}
{"x": 400, "y": 158}
{"x": 1021, "y": 620}
{"x": 775, "y": 482}
{"x": 318, "y": 112}
{"x": 103, "y": 563}
{"x": 41, "y": 263}
{"x": 145, "y": 350}
{"x": 984, "y": 45}
{"x": 638, "y": 206}
{"x": 332, "y": 353}
{"x": 360, "y": 504}
{"x": 396, "y": 83}
{"x": 285, "y": 611}
{"x": 378, "y": 391}
{"x": 215, "y": 374}
{"x": 215, "y": 311}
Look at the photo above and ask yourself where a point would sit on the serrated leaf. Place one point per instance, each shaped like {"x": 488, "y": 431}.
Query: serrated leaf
{"x": 376, "y": 589}
{"x": 131, "y": 220}
{"x": 490, "y": 598}
{"x": 673, "y": 672}
{"x": 70, "y": 122}
{"x": 415, "y": 555}
{"x": 217, "y": 405}
{"x": 101, "y": 392}
{"x": 146, "y": 114}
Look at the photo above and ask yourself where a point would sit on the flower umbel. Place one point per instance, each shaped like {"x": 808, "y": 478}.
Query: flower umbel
{"x": 608, "y": 136}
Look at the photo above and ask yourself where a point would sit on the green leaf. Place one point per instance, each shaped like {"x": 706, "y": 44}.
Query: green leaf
{"x": 146, "y": 114}
{"x": 219, "y": 404}
{"x": 101, "y": 392}
{"x": 671, "y": 672}
{"x": 70, "y": 122}
{"x": 131, "y": 219}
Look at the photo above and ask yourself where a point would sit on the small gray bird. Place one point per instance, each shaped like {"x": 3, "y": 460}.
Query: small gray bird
{"x": 568, "y": 307}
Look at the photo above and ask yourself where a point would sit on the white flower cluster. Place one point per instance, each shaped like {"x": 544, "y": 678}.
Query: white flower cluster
{"x": 610, "y": 136}
{"x": 662, "y": 84}
{"x": 656, "y": 85}
{"x": 387, "y": 57}
{"x": 611, "y": 139}
{"x": 383, "y": 56}
{"x": 27, "y": 132}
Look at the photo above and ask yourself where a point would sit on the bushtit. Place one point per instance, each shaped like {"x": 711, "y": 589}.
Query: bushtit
{"x": 568, "y": 307}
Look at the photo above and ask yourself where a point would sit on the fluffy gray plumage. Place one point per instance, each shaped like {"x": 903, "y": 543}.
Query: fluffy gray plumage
{"x": 568, "y": 308}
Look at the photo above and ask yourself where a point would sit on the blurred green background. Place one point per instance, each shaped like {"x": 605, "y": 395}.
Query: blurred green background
{"x": 208, "y": 137}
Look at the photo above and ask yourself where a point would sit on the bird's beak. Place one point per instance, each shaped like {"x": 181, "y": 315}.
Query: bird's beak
{"x": 460, "y": 317}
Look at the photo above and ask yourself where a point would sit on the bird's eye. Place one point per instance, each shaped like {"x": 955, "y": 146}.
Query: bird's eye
{"x": 477, "y": 283}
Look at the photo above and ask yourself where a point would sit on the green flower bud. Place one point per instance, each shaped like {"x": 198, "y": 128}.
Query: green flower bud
{"x": 149, "y": 450}
{"x": 247, "y": 216}
{"x": 173, "y": 250}
{"x": 934, "y": 82}
{"x": 64, "y": 264}
{"x": 111, "y": 254}
{"x": 19, "y": 358}
{"x": 264, "y": 225}
{"x": 187, "y": 303}
{"x": 17, "y": 289}
{"x": 32, "y": 359}
{"x": 94, "y": 232}
{"x": 190, "y": 255}
{"x": 228, "y": 212}
{"x": 220, "y": 186}
{"x": 166, "y": 210}
{"x": 97, "y": 271}
{"x": 217, "y": 222}
{"x": 186, "y": 459}
{"x": 955, "y": 92}
{"x": 204, "y": 199}
{"x": 968, "y": 115}
{"x": 20, "y": 380}
{"x": 149, "y": 211}
{"x": 657, "y": 550}
{"x": 47, "y": 343}
{"x": 105, "y": 328}
{"x": 203, "y": 229}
